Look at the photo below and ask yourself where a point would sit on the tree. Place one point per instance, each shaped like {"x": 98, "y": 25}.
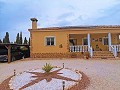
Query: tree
{"x": 6, "y": 38}
{"x": 29, "y": 41}
{"x": 25, "y": 41}
{"x": 20, "y": 41}
{"x": 3, "y": 40}
{"x": 0, "y": 41}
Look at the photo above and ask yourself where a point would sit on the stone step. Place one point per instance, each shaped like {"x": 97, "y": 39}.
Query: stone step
{"x": 103, "y": 57}
{"x": 102, "y": 54}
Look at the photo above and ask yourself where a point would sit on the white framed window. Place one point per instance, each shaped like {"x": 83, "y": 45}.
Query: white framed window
{"x": 105, "y": 40}
{"x": 50, "y": 41}
{"x": 84, "y": 41}
{"x": 73, "y": 41}
{"x": 119, "y": 37}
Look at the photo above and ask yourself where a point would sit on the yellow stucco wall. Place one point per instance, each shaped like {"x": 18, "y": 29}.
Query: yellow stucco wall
{"x": 38, "y": 42}
{"x": 63, "y": 36}
{"x": 115, "y": 39}
{"x": 97, "y": 41}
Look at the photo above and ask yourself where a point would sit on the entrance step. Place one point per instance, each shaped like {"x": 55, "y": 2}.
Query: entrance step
{"x": 102, "y": 54}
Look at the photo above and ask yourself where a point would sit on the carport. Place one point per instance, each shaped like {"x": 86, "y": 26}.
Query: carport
{"x": 8, "y": 46}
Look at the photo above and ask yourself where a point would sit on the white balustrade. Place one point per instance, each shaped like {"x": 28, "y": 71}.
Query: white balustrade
{"x": 117, "y": 47}
{"x": 79, "y": 48}
{"x": 90, "y": 51}
{"x": 114, "y": 50}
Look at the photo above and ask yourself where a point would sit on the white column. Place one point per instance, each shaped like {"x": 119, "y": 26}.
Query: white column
{"x": 109, "y": 41}
{"x": 88, "y": 37}
{"x": 115, "y": 52}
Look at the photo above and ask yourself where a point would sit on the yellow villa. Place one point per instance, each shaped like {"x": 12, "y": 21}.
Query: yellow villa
{"x": 74, "y": 41}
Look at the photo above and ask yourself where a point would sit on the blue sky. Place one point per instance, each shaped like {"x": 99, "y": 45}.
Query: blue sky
{"x": 15, "y": 14}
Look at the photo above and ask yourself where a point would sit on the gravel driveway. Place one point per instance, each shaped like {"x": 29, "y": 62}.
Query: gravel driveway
{"x": 103, "y": 74}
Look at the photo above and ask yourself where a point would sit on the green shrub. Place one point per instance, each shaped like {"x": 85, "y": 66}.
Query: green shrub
{"x": 47, "y": 68}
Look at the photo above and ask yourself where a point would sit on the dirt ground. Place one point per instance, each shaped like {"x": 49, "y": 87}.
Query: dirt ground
{"x": 103, "y": 74}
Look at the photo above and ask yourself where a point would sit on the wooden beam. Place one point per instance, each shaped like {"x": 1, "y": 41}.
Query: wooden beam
{"x": 9, "y": 53}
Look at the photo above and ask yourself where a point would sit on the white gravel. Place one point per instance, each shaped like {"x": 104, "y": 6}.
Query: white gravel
{"x": 20, "y": 80}
{"x": 55, "y": 84}
{"x": 103, "y": 74}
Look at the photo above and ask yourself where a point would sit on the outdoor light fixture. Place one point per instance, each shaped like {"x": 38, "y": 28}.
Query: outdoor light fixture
{"x": 14, "y": 72}
{"x": 60, "y": 46}
{"x": 63, "y": 85}
{"x": 63, "y": 65}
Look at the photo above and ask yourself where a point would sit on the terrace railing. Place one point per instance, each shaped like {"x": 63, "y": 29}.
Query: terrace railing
{"x": 90, "y": 51}
{"x": 117, "y": 47}
{"x": 113, "y": 50}
{"x": 79, "y": 48}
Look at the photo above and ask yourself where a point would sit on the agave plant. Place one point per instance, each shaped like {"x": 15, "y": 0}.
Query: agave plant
{"x": 47, "y": 68}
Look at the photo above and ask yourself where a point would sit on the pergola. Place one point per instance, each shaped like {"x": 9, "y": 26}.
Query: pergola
{"x": 8, "y": 47}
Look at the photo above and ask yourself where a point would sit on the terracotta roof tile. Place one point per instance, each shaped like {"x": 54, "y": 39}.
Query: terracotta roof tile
{"x": 80, "y": 27}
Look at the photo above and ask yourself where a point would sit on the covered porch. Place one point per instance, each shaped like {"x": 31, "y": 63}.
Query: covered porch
{"x": 95, "y": 42}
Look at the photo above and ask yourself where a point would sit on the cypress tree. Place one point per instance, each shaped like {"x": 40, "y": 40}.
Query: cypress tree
{"x": 29, "y": 41}
{"x": 6, "y": 38}
{"x": 20, "y": 41}
{"x": 3, "y": 40}
{"x": 0, "y": 41}
{"x": 25, "y": 41}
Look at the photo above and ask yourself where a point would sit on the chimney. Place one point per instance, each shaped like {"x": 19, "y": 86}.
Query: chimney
{"x": 34, "y": 23}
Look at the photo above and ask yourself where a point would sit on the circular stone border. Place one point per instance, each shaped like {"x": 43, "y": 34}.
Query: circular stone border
{"x": 83, "y": 83}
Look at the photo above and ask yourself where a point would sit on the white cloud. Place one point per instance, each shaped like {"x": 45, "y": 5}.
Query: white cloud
{"x": 17, "y": 13}
{"x": 89, "y": 9}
